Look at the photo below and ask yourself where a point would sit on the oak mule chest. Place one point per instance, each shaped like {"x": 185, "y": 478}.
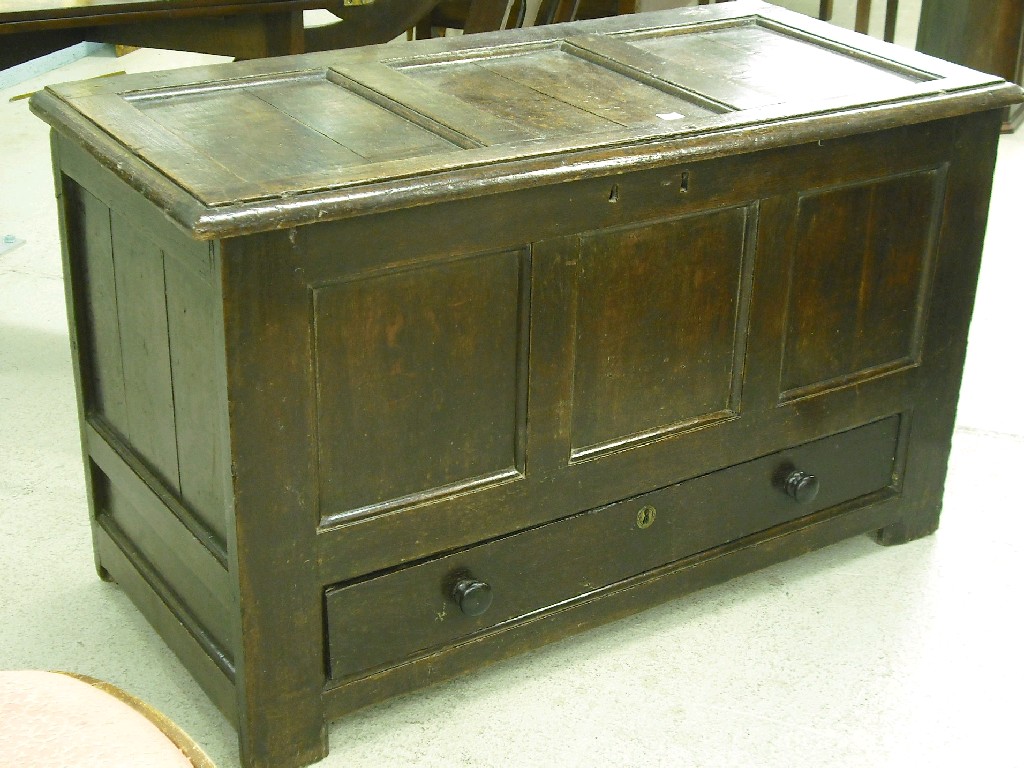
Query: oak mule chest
{"x": 396, "y": 361}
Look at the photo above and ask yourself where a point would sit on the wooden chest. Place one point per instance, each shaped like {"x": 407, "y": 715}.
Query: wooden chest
{"x": 397, "y": 361}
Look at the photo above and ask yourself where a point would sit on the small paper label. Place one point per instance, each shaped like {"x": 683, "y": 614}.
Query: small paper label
{"x": 671, "y": 116}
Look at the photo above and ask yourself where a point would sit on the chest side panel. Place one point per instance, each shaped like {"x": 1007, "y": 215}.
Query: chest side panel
{"x": 145, "y": 315}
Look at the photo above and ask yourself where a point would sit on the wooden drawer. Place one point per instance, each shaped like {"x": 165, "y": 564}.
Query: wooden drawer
{"x": 379, "y": 621}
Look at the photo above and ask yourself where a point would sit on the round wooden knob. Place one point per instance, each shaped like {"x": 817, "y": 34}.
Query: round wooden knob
{"x": 474, "y": 597}
{"x": 801, "y": 486}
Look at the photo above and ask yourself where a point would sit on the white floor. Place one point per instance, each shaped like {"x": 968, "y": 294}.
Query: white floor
{"x": 856, "y": 655}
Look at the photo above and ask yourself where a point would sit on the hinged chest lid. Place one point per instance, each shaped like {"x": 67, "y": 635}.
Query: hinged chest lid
{"x": 279, "y": 142}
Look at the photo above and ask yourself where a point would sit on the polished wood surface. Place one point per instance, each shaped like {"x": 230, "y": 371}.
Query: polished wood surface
{"x": 240, "y": 28}
{"x": 987, "y": 35}
{"x": 396, "y": 361}
{"x": 244, "y": 29}
{"x": 440, "y": 115}
{"x": 625, "y": 539}
{"x": 862, "y": 15}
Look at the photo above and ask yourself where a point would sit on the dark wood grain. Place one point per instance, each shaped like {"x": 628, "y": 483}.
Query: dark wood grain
{"x": 958, "y": 258}
{"x": 76, "y": 251}
{"x": 780, "y": 66}
{"x": 432, "y": 354}
{"x": 372, "y": 132}
{"x": 155, "y": 601}
{"x": 280, "y": 670}
{"x": 373, "y": 624}
{"x": 509, "y": 104}
{"x": 617, "y": 601}
{"x": 105, "y": 393}
{"x": 198, "y": 403}
{"x": 30, "y": 28}
{"x": 145, "y": 350}
{"x": 477, "y": 311}
{"x": 987, "y": 35}
{"x": 201, "y": 584}
{"x": 686, "y": 278}
{"x": 863, "y": 257}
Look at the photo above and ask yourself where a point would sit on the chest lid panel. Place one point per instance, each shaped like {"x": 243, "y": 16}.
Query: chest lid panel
{"x": 343, "y": 120}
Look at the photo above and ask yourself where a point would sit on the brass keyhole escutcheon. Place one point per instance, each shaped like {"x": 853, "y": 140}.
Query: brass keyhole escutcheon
{"x": 645, "y": 517}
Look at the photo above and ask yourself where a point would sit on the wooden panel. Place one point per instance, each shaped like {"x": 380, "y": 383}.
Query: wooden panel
{"x": 93, "y": 259}
{"x": 77, "y": 165}
{"x": 52, "y": 10}
{"x": 554, "y": 92}
{"x": 387, "y": 619}
{"x": 958, "y": 257}
{"x": 858, "y": 280}
{"x": 268, "y": 339}
{"x": 209, "y": 123}
{"x": 987, "y": 35}
{"x": 146, "y": 491}
{"x": 142, "y": 316}
{"x": 370, "y": 131}
{"x": 775, "y": 67}
{"x": 149, "y": 593}
{"x": 199, "y": 582}
{"x": 632, "y": 61}
{"x": 619, "y": 600}
{"x": 659, "y": 322}
{"x": 418, "y": 382}
{"x": 478, "y": 85}
{"x": 379, "y": 241}
{"x": 162, "y": 148}
{"x": 441, "y": 110}
{"x": 808, "y": 81}
{"x": 193, "y": 316}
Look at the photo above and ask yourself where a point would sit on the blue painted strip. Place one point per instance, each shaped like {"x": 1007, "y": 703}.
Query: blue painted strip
{"x": 29, "y": 69}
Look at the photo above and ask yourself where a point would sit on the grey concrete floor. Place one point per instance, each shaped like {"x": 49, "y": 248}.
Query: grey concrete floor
{"x": 855, "y": 655}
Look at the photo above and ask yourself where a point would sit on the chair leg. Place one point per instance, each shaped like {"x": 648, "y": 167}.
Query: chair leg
{"x": 863, "y": 18}
{"x": 891, "y": 6}
{"x": 825, "y": 10}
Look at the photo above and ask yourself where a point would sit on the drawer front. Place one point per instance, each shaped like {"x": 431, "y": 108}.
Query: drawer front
{"x": 380, "y": 621}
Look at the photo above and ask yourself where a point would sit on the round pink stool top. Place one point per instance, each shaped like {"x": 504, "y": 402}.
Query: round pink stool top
{"x": 55, "y": 720}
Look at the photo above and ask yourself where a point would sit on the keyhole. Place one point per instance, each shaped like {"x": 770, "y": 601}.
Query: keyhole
{"x": 645, "y": 517}
{"x": 613, "y": 196}
{"x": 684, "y": 182}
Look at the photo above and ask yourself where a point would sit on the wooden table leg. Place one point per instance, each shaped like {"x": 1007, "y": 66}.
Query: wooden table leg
{"x": 891, "y": 6}
{"x": 283, "y": 33}
{"x": 249, "y": 36}
{"x": 863, "y": 18}
{"x": 377, "y": 22}
{"x": 486, "y": 15}
{"x": 19, "y": 48}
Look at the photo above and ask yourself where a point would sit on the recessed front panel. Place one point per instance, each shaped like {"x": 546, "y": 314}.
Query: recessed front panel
{"x": 418, "y": 385}
{"x": 659, "y": 331}
{"x": 858, "y": 280}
